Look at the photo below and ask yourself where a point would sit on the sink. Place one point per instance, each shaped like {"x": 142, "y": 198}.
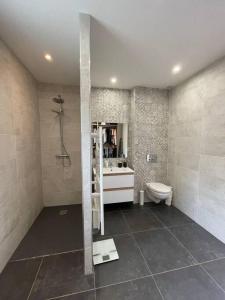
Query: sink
{"x": 117, "y": 170}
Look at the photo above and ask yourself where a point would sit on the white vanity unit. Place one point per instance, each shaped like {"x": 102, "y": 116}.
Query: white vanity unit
{"x": 118, "y": 185}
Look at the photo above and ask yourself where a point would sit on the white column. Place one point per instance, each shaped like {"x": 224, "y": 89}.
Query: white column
{"x": 85, "y": 110}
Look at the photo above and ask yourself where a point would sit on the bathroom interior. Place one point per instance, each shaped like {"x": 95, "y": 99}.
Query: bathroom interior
{"x": 112, "y": 150}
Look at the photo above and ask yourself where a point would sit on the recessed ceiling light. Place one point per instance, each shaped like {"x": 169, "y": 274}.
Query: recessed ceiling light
{"x": 113, "y": 80}
{"x": 48, "y": 57}
{"x": 176, "y": 69}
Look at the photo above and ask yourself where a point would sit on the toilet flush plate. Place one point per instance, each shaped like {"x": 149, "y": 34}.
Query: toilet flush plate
{"x": 104, "y": 251}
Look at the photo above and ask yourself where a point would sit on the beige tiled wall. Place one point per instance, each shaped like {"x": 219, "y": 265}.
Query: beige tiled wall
{"x": 61, "y": 185}
{"x": 20, "y": 163}
{"x": 196, "y": 160}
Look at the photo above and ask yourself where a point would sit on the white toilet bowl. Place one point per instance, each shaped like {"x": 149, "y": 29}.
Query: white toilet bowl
{"x": 158, "y": 191}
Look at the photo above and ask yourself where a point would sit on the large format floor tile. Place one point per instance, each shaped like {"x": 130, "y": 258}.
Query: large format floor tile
{"x": 202, "y": 245}
{"x": 171, "y": 216}
{"x": 61, "y": 274}
{"x": 115, "y": 223}
{"x": 162, "y": 251}
{"x": 53, "y": 232}
{"x": 141, "y": 219}
{"x": 143, "y": 289}
{"x": 17, "y": 278}
{"x": 90, "y": 295}
{"x": 188, "y": 284}
{"x": 217, "y": 270}
{"x": 129, "y": 266}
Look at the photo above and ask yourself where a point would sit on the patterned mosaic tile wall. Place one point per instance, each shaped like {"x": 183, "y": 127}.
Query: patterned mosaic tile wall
{"x": 110, "y": 105}
{"x": 146, "y": 111}
{"x": 149, "y": 130}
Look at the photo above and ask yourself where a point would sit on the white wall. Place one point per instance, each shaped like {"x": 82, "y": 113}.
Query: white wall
{"x": 20, "y": 167}
{"x": 196, "y": 161}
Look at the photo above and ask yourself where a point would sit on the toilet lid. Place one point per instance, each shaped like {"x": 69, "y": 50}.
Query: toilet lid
{"x": 159, "y": 187}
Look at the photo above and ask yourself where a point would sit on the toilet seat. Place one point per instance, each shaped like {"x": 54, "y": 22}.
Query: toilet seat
{"x": 159, "y": 187}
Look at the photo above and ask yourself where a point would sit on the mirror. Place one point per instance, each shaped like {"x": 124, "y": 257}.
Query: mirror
{"x": 115, "y": 139}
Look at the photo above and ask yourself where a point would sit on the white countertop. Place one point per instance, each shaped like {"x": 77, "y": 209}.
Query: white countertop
{"x": 117, "y": 170}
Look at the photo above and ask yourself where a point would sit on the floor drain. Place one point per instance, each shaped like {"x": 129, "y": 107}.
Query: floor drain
{"x": 63, "y": 212}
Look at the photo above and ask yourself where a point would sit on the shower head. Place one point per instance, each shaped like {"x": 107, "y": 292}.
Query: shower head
{"x": 58, "y": 100}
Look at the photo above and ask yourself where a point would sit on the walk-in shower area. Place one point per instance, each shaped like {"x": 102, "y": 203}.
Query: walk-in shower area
{"x": 40, "y": 190}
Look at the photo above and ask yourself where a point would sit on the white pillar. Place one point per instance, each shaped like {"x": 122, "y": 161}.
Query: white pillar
{"x": 85, "y": 110}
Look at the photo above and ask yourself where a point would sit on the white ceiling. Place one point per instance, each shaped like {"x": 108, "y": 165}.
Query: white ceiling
{"x": 138, "y": 41}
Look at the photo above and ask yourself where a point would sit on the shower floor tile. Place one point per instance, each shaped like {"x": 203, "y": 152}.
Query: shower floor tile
{"x": 57, "y": 229}
{"x": 17, "y": 278}
{"x": 61, "y": 274}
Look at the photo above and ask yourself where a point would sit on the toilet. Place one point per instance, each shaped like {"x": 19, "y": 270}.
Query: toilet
{"x": 157, "y": 192}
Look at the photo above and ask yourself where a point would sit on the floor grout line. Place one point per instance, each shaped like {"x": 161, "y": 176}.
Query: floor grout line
{"x": 35, "y": 278}
{"x": 214, "y": 280}
{"x": 144, "y": 259}
{"x": 136, "y": 244}
{"x": 212, "y": 260}
{"x": 131, "y": 234}
{"x": 99, "y": 288}
{"x": 200, "y": 264}
{"x": 71, "y": 294}
{"x": 45, "y": 255}
{"x": 122, "y": 282}
{"x": 195, "y": 261}
{"x": 168, "y": 229}
{"x": 150, "y": 275}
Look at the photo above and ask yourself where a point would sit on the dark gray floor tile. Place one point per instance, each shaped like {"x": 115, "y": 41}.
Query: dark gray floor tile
{"x": 90, "y": 295}
{"x": 17, "y": 278}
{"x": 115, "y": 223}
{"x": 217, "y": 270}
{"x": 143, "y": 289}
{"x": 112, "y": 207}
{"x": 162, "y": 251}
{"x": 153, "y": 204}
{"x": 129, "y": 266}
{"x": 171, "y": 216}
{"x": 53, "y": 233}
{"x": 147, "y": 205}
{"x": 202, "y": 245}
{"x": 188, "y": 284}
{"x": 61, "y": 274}
{"x": 141, "y": 219}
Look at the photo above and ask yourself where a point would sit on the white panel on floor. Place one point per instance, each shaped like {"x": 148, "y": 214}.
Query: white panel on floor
{"x": 104, "y": 251}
